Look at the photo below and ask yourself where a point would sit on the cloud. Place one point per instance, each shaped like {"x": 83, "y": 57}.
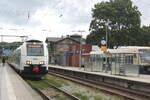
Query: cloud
{"x": 144, "y": 8}
{"x": 59, "y": 16}
{"x": 15, "y": 12}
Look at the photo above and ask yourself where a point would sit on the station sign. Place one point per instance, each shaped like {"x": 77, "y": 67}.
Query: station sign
{"x": 103, "y": 48}
{"x": 103, "y": 42}
{"x": 34, "y": 46}
{"x": 103, "y": 45}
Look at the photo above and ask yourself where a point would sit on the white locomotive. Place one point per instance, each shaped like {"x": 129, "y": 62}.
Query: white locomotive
{"x": 31, "y": 59}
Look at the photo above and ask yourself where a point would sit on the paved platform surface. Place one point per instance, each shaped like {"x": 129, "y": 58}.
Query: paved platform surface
{"x": 13, "y": 87}
{"x": 140, "y": 78}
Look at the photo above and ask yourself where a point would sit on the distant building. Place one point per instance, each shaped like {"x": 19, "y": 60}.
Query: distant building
{"x": 58, "y": 48}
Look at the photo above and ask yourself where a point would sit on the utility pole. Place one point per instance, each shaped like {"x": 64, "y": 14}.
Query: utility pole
{"x": 106, "y": 34}
{"x": 106, "y": 27}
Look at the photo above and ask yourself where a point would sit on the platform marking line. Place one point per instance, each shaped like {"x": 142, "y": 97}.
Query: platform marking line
{"x": 11, "y": 92}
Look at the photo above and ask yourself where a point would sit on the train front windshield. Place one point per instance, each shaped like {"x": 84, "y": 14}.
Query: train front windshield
{"x": 145, "y": 55}
{"x": 35, "y": 50}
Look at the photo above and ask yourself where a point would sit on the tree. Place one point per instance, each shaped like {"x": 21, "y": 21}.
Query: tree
{"x": 120, "y": 18}
{"x": 12, "y": 46}
{"x": 145, "y": 30}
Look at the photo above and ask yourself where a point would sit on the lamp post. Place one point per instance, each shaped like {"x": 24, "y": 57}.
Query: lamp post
{"x": 106, "y": 35}
{"x": 106, "y": 29}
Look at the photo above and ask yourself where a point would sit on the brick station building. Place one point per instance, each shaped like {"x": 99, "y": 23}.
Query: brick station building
{"x": 79, "y": 54}
{"x": 66, "y": 51}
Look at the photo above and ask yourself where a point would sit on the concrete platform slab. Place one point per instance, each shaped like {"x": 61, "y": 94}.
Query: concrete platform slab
{"x": 140, "y": 78}
{"x": 13, "y": 87}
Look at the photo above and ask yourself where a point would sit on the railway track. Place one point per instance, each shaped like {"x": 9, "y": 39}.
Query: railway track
{"x": 126, "y": 93}
{"x": 64, "y": 92}
{"x": 48, "y": 93}
{"x": 42, "y": 94}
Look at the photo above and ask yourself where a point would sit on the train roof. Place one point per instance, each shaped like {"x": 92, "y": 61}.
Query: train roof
{"x": 125, "y": 50}
{"x": 34, "y": 41}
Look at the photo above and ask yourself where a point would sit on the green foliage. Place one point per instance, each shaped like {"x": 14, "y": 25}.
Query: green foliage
{"x": 47, "y": 82}
{"x": 122, "y": 21}
{"x": 81, "y": 96}
{"x": 98, "y": 97}
{"x": 55, "y": 81}
{"x": 38, "y": 84}
{"x": 12, "y": 45}
{"x": 145, "y": 30}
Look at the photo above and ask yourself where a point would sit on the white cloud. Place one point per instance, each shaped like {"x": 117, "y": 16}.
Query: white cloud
{"x": 56, "y": 17}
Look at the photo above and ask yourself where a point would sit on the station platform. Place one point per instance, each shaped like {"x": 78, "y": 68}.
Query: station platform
{"x": 136, "y": 87}
{"x": 140, "y": 83}
{"x": 13, "y": 87}
{"x": 140, "y": 78}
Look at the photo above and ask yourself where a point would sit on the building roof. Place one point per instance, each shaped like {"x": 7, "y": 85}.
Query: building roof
{"x": 53, "y": 39}
{"x": 56, "y": 39}
{"x": 69, "y": 39}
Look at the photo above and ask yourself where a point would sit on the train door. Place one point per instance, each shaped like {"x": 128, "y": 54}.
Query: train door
{"x": 131, "y": 68}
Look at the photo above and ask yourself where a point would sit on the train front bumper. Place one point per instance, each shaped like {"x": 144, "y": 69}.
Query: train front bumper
{"x": 35, "y": 70}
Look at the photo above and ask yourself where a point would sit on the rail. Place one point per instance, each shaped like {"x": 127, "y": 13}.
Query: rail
{"x": 45, "y": 97}
{"x": 112, "y": 89}
{"x": 65, "y": 92}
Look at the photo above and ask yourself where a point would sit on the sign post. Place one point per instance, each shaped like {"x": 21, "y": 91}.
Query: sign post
{"x": 103, "y": 47}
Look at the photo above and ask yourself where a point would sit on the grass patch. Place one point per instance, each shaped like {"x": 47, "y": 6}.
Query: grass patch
{"x": 60, "y": 97}
{"x": 117, "y": 98}
{"x": 46, "y": 82}
{"x": 98, "y": 97}
{"x": 56, "y": 82}
{"x": 38, "y": 84}
{"x": 81, "y": 96}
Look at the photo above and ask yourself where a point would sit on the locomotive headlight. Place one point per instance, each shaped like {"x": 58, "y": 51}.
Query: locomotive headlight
{"x": 28, "y": 62}
{"x": 41, "y": 62}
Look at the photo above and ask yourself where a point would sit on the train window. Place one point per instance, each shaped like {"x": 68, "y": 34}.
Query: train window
{"x": 144, "y": 55}
{"x": 118, "y": 59}
{"x": 113, "y": 59}
{"x": 128, "y": 59}
{"x": 35, "y": 50}
{"x": 135, "y": 56}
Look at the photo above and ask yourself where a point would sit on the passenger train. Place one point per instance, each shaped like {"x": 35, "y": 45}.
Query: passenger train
{"x": 123, "y": 58}
{"x": 31, "y": 59}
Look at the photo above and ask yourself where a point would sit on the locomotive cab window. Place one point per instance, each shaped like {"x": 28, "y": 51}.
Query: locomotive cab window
{"x": 35, "y": 50}
{"x": 145, "y": 55}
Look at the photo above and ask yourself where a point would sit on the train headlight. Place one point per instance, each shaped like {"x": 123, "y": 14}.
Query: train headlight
{"x": 28, "y": 62}
{"x": 41, "y": 62}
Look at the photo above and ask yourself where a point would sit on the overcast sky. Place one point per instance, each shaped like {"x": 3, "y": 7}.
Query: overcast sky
{"x": 53, "y": 18}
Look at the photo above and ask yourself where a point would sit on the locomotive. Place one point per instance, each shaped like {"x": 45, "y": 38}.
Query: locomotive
{"x": 31, "y": 59}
